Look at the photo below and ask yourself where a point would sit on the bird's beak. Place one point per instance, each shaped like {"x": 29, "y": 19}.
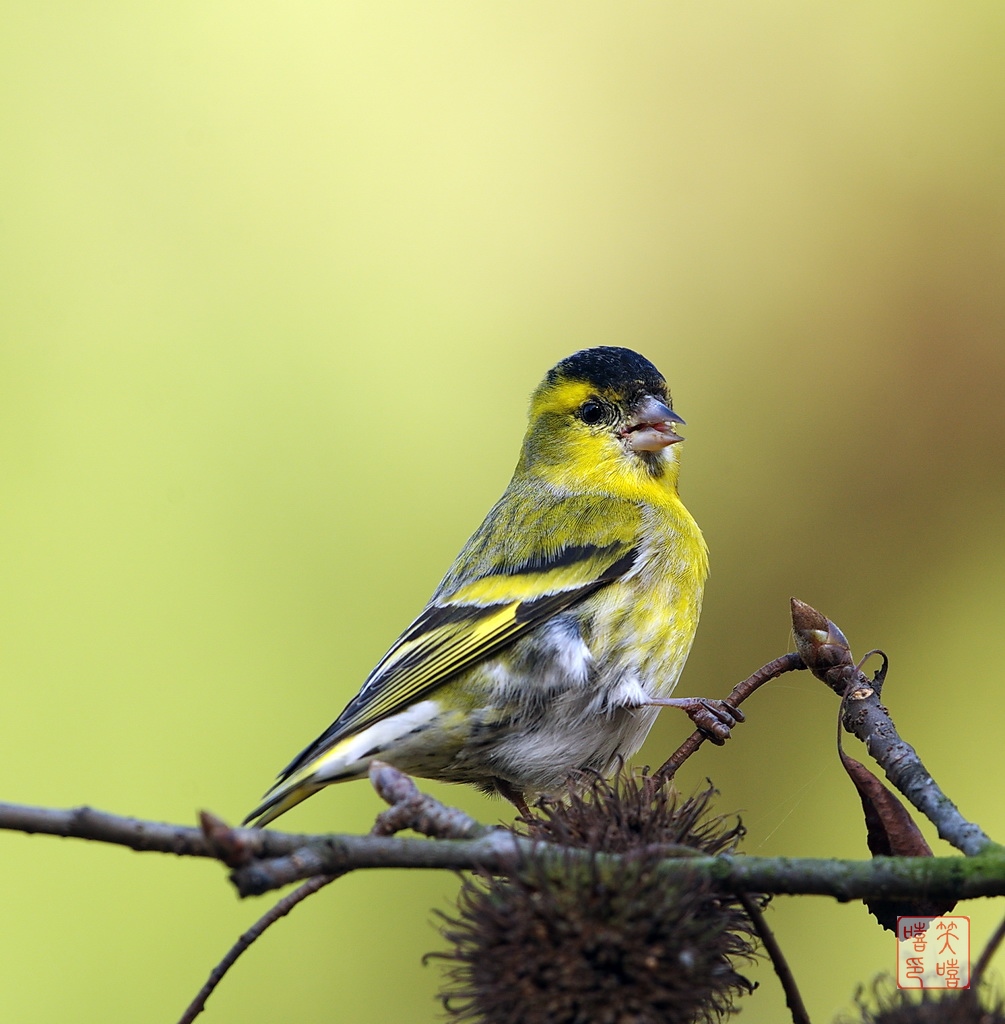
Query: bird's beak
{"x": 651, "y": 426}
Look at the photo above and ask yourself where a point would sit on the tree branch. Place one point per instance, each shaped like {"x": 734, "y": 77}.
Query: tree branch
{"x": 287, "y": 858}
{"x": 501, "y": 853}
{"x": 149, "y": 836}
{"x": 262, "y": 861}
{"x": 265, "y": 860}
{"x": 826, "y": 653}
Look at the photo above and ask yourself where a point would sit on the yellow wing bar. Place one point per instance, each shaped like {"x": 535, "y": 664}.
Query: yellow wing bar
{"x": 449, "y": 637}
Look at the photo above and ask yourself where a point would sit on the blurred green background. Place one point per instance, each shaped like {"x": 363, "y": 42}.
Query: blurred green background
{"x": 276, "y": 282}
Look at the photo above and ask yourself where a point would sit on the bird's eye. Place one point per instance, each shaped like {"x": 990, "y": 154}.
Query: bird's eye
{"x": 591, "y": 411}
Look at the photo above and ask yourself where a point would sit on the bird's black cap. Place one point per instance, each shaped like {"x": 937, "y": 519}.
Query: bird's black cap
{"x": 620, "y": 369}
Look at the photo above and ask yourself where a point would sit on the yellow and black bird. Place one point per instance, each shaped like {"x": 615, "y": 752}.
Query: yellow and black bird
{"x": 563, "y": 624}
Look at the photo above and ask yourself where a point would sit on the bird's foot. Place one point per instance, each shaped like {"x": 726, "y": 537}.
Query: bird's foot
{"x": 715, "y": 718}
{"x": 514, "y": 795}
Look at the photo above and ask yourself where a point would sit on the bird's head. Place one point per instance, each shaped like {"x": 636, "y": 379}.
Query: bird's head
{"x": 603, "y": 418}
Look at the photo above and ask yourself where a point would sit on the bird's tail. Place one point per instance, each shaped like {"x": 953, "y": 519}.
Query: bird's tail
{"x": 279, "y": 801}
{"x": 336, "y": 764}
{"x": 336, "y": 757}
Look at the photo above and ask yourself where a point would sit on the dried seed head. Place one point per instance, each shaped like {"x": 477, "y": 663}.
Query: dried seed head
{"x": 891, "y": 1005}
{"x": 630, "y": 814}
{"x": 600, "y": 939}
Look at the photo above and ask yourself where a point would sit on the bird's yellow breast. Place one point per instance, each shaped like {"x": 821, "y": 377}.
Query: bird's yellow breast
{"x": 650, "y": 617}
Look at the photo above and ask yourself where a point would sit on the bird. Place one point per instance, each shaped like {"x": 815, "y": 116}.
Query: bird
{"x": 549, "y": 647}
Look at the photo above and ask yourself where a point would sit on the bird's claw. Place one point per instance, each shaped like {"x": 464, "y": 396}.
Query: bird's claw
{"x": 714, "y": 718}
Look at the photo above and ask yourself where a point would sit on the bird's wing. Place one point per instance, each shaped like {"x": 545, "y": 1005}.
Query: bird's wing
{"x": 479, "y": 615}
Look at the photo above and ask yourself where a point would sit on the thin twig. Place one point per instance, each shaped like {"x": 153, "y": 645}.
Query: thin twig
{"x": 739, "y": 693}
{"x": 977, "y": 974}
{"x": 793, "y": 998}
{"x": 279, "y": 910}
{"x": 409, "y": 808}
